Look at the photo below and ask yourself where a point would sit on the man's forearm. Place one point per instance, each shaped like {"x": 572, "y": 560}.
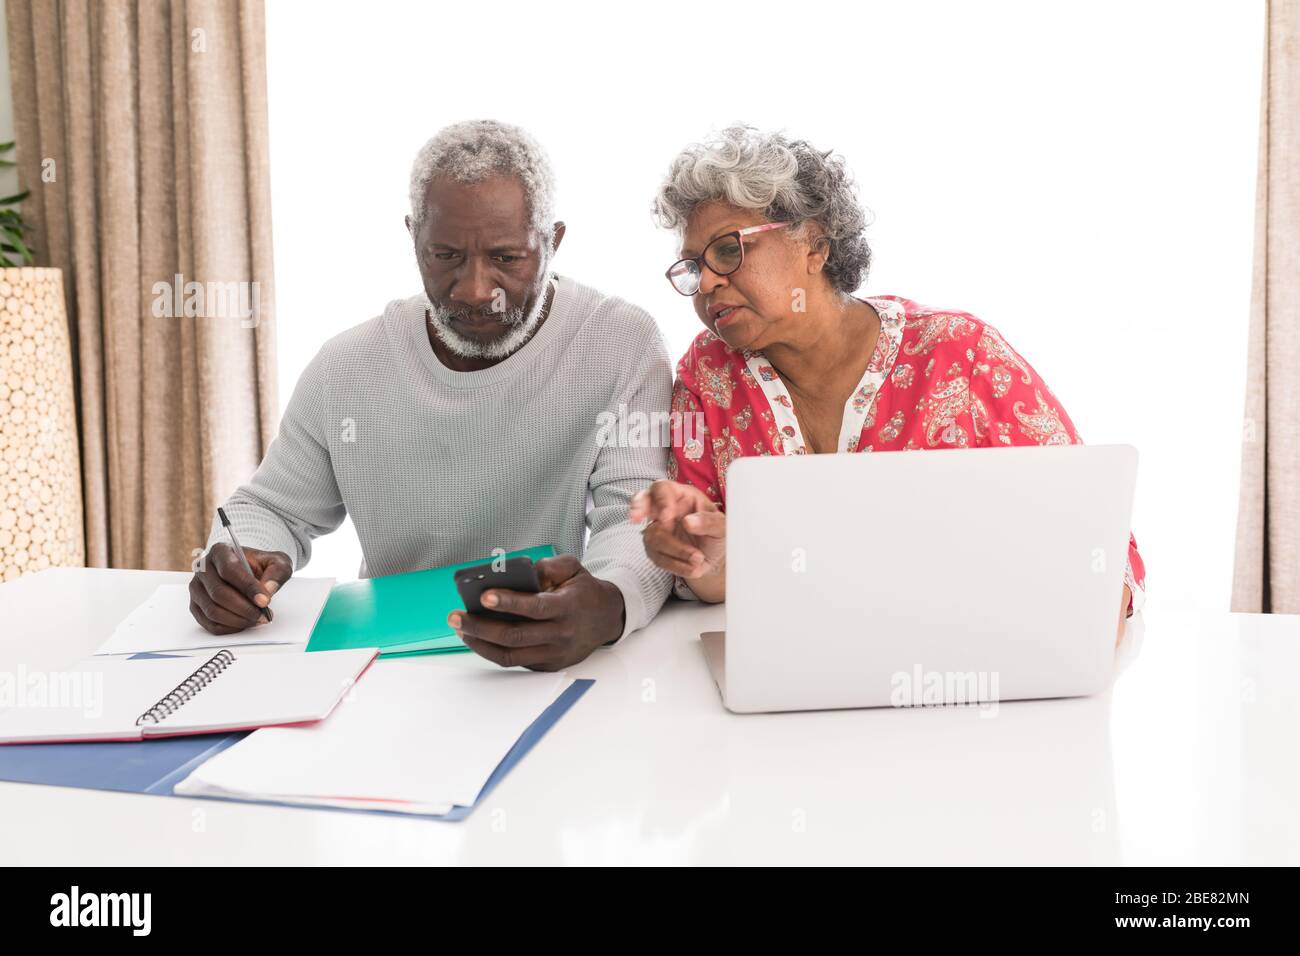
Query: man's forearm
{"x": 261, "y": 526}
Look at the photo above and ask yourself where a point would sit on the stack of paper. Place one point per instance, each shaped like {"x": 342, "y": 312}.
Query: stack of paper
{"x": 410, "y": 736}
{"x": 164, "y": 622}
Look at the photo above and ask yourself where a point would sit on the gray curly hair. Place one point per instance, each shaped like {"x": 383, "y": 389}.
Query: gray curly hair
{"x": 471, "y": 151}
{"x": 786, "y": 179}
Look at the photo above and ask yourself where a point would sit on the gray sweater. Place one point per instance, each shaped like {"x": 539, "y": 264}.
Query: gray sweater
{"x": 438, "y": 467}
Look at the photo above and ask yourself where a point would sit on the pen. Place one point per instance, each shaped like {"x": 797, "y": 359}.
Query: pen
{"x": 225, "y": 523}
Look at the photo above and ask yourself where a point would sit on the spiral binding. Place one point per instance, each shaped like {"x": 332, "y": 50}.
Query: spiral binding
{"x": 187, "y": 689}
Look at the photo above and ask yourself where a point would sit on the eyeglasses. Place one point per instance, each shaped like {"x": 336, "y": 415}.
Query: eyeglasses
{"x": 724, "y": 255}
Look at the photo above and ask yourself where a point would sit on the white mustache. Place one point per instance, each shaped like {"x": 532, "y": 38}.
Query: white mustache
{"x": 511, "y": 316}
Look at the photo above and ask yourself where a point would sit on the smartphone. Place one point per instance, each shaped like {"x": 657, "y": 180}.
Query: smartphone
{"x": 517, "y": 574}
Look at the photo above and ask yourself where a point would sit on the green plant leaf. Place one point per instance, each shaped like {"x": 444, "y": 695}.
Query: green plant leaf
{"x": 22, "y": 249}
{"x": 12, "y": 226}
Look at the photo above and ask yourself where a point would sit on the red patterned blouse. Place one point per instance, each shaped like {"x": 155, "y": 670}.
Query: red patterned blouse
{"x": 938, "y": 379}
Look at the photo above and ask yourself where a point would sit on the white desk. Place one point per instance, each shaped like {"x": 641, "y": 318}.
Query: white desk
{"x": 1191, "y": 758}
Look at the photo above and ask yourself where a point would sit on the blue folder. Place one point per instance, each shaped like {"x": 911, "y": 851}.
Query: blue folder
{"x": 157, "y": 766}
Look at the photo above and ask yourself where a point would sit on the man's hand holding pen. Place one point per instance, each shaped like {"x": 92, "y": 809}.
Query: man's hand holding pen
{"x": 229, "y": 595}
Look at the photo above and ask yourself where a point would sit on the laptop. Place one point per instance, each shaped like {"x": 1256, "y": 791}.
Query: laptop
{"x": 960, "y": 576}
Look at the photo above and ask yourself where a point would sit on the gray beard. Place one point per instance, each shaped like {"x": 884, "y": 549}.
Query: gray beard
{"x": 520, "y": 327}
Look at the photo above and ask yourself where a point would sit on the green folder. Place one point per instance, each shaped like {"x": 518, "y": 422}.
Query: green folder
{"x": 401, "y": 614}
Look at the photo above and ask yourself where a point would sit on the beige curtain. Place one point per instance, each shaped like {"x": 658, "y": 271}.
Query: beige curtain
{"x": 142, "y": 134}
{"x": 1267, "y": 573}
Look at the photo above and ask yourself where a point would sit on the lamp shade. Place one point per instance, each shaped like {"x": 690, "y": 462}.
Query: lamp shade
{"x": 40, "y": 468}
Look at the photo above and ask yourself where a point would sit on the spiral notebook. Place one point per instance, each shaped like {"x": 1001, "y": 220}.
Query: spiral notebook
{"x": 108, "y": 699}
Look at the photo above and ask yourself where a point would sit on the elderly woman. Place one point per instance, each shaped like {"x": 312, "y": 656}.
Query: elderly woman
{"x": 792, "y": 361}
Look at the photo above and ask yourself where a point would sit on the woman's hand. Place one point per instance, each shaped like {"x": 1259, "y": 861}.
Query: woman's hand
{"x": 685, "y": 534}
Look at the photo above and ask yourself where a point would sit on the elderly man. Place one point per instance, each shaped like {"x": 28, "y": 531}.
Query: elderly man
{"x": 466, "y": 419}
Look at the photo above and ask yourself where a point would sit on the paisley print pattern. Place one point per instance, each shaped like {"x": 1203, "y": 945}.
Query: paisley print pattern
{"x": 997, "y": 350}
{"x": 862, "y": 397}
{"x": 726, "y": 449}
{"x": 715, "y": 383}
{"x": 892, "y": 428}
{"x": 979, "y": 417}
{"x": 1043, "y": 424}
{"x": 940, "y": 411}
{"x": 935, "y": 328}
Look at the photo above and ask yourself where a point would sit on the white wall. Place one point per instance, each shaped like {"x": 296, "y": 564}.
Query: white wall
{"x": 1079, "y": 175}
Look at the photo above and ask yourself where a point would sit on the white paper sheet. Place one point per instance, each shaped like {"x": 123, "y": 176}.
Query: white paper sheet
{"x": 409, "y": 730}
{"x": 164, "y": 622}
{"x": 394, "y": 806}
